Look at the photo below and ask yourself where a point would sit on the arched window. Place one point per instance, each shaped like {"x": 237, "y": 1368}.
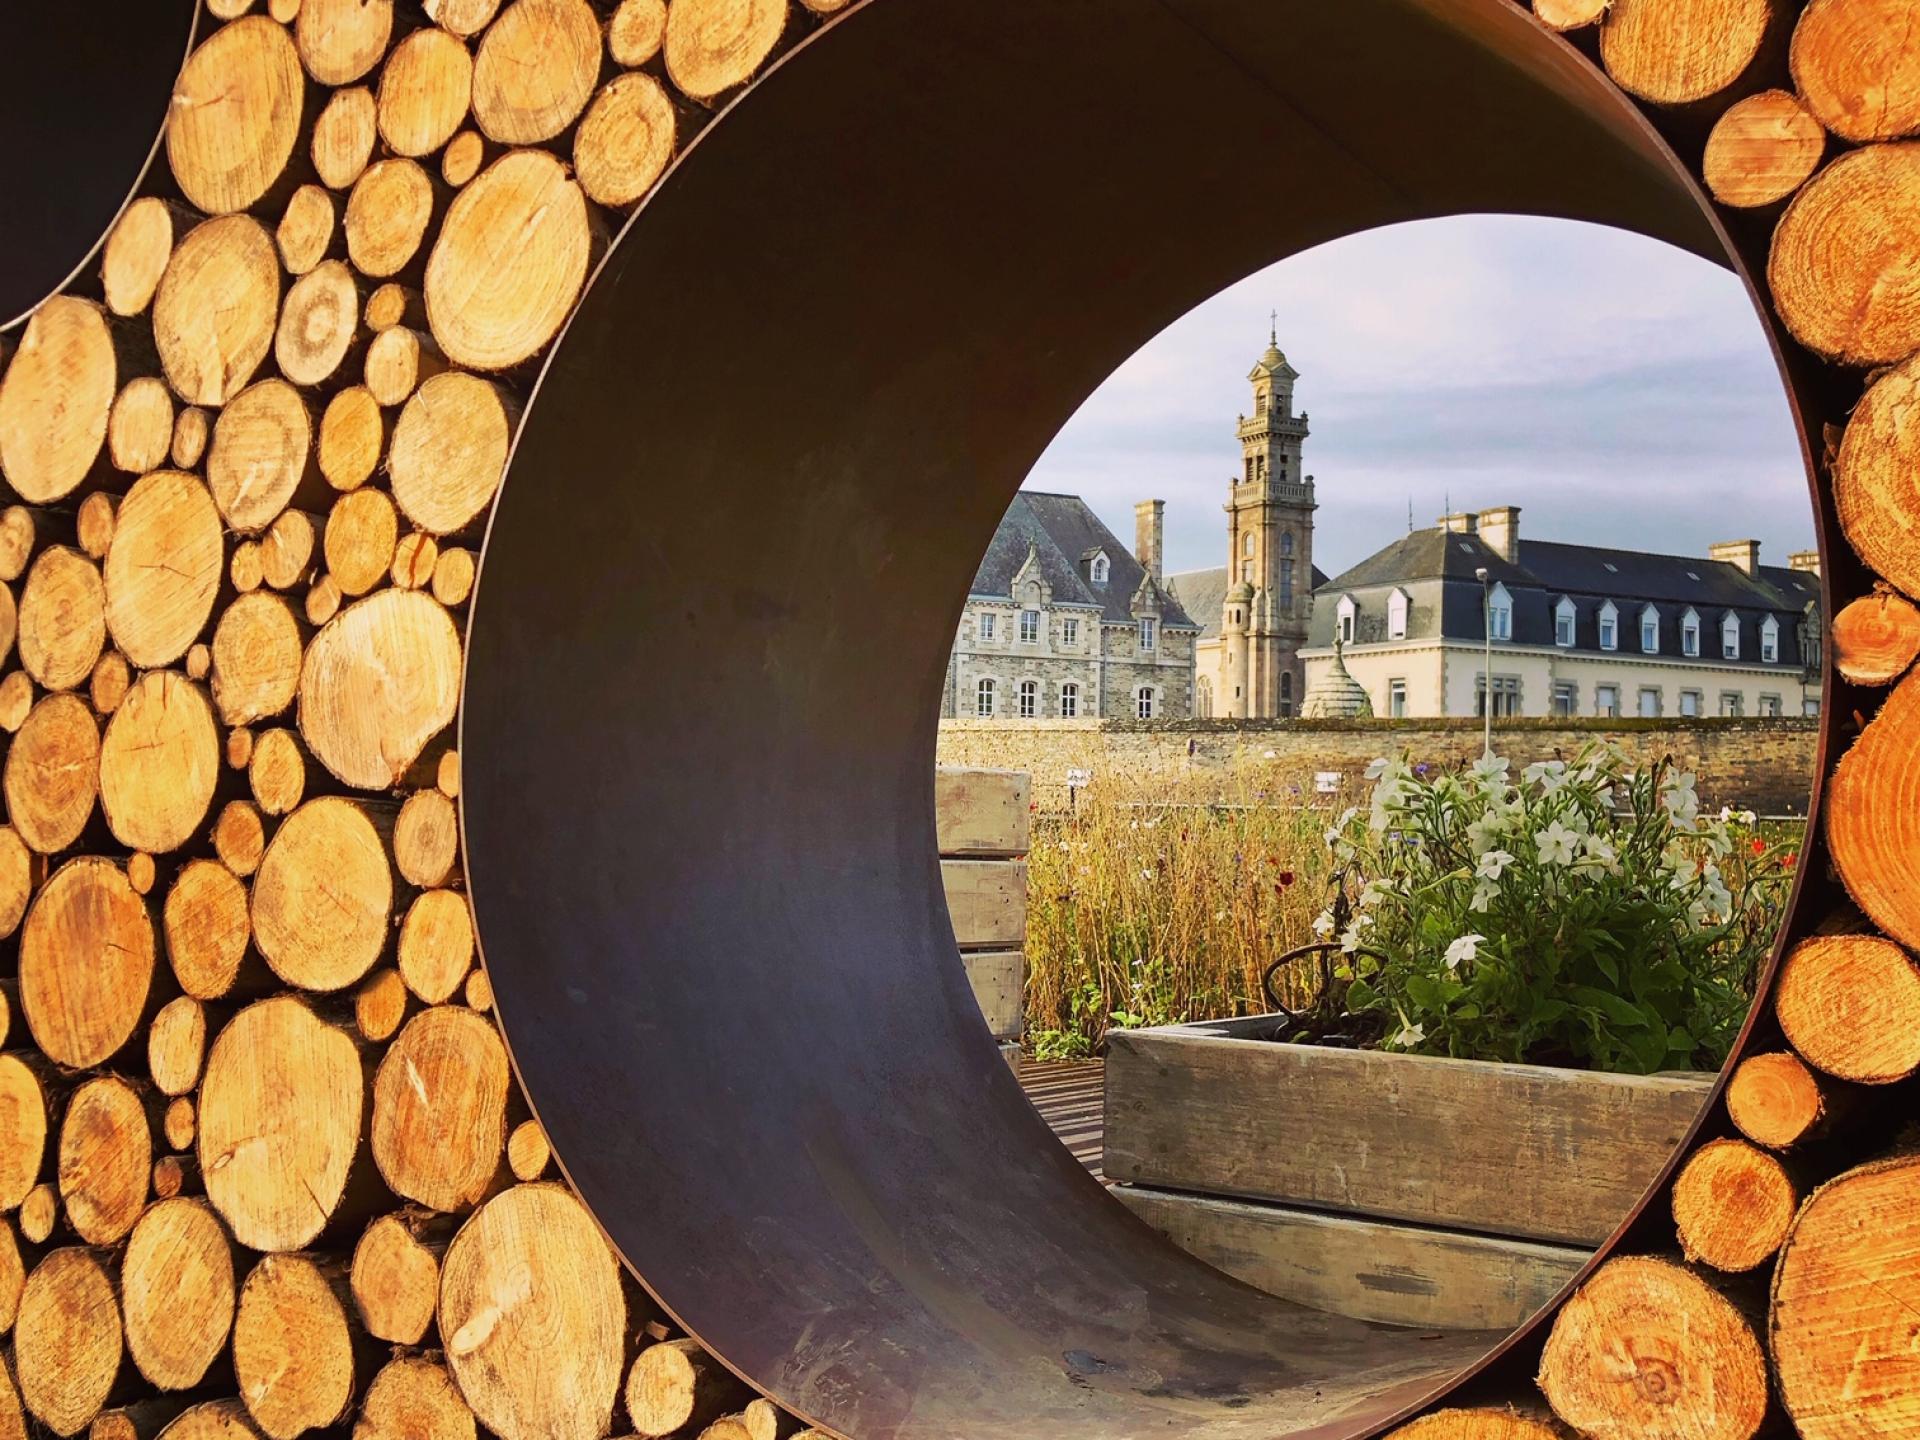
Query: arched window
{"x": 1029, "y": 699}
{"x": 1730, "y": 637}
{"x": 1286, "y": 543}
{"x": 1099, "y": 569}
{"x": 1500, "y": 613}
{"x": 1069, "y": 701}
{"x": 1143, "y": 702}
{"x": 1203, "y": 698}
{"x": 1246, "y": 543}
{"x": 983, "y": 700}
{"x": 1397, "y": 615}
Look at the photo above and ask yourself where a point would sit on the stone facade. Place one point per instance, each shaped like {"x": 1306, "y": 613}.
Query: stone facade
{"x": 1763, "y": 765}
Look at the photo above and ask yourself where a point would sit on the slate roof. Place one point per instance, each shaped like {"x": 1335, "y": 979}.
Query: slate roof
{"x": 1202, "y": 592}
{"x": 1059, "y": 526}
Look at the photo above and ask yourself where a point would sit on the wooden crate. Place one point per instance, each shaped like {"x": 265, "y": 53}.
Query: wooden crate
{"x": 983, "y": 822}
{"x": 1512, "y": 1150}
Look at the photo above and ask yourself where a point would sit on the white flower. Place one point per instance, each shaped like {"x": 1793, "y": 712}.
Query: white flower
{"x": 1271, "y": 755}
{"x": 1332, "y": 836}
{"x": 1410, "y": 1034}
{"x": 1463, "y": 951}
{"x": 1549, "y": 775}
{"x": 1681, "y": 802}
{"x": 1597, "y": 854}
{"x": 1491, "y": 771}
{"x": 1379, "y": 767}
{"x": 1323, "y": 924}
{"x": 1350, "y": 941}
{"x": 1484, "y": 895}
{"x": 1492, "y": 863}
{"x": 1556, "y": 844}
{"x": 1484, "y": 834}
{"x": 1371, "y": 892}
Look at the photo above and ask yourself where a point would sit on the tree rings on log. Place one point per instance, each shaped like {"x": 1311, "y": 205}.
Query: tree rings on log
{"x": 177, "y": 1289}
{"x": 323, "y": 896}
{"x": 1850, "y": 1005}
{"x": 387, "y": 216}
{"x": 86, "y": 963}
{"x": 212, "y": 1420}
{"x": 293, "y": 1352}
{"x": 425, "y": 88}
{"x": 1732, "y": 1204}
{"x": 436, "y": 945}
{"x": 414, "y": 1399}
{"x": 1774, "y": 1100}
{"x": 256, "y": 658}
{"x": 159, "y": 763}
{"x": 344, "y": 136}
{"x": 262, "y": 453}
{"x": 1876, "y": 638}
{"x": 1876, "y": 479}
{"x": 395, "y": 1280}
{"x": 1762, "y": 150}
{"x": 636, "y": 32}
{"x": 1873, "y": 816}
{"x": 137, "y": 252}
{"x": 319, "y": 323}
{"x": 341, "y": 40}
{"x": 55, "y": 399}
{"x": 509, "y": 263}
{"x": 461, "y": 17}
{"x": 1857, "y": 63}
{"x": 381, "y": 679}
{"x": 426, "y": 839}
{"x": 535, "y": 69}
{"x": 214, "y": 316}
{"x": 1842, "y": 268}
{"x": 714, "y": 46}
{"x": 529, "y": 1277}
{"x": 162, "y": 570}
{"x": 279, "y": 1123}
{"x": 66, "y": 1340}
{"x": 140, "y": 425}
{"x": 62, "y": 618}
{"x": 105, "y": 1160}
{"x": 52, "y": 773}
{"x": 626, "y": 140}
{"x": 1673, "y": 52}
{"x": 449, "y": 451}
{"x": 207, "y": 928}
{"x": 440, "y": 1109}
{"x": 235, "y": 115}
{"x": 23, "y": 1131}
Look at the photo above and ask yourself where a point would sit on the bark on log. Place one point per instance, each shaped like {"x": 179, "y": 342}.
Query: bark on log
{"x": 425, "y": 89}
{"x": 1876, "y": 638}
{"x": 66, "y": 1341}
{"x": 414, "y": 1399}
{"x": 353, "y": 436}
{"x": 387, "y": 216}
{"x": 1841, "y": 266}
{"x": 86, "y": 963}
{"x": 320, "y": 322}
{"x": 536, "y": 67}
{"x": 1841, "y": 1323}
{"x": 1647, "y": 1350}
{"x": 177, "y": 1292}
{"x": 714, "y": 46}
{"x": 257, "y": 649}
{"x": 55, "y": 399}
{"x": 450, "y": 451}
{"x": 624, "y": 143}
{"x": 105, "y": 1159}
{"x": 235, "y": 116}
{"x": 140, "y": 425}
{"x": 279, "y": 1123}
{"x": 212, "y": 1420}
{"x": 162, "y": 571}
{"x": 323, "y": 896}
{"x": 52, "y": 771}
{"x": 676, "y": 1387}
{"x": 1774, "y": 1100}
{"x": 277, "y": 772}
{"x": 308, "y": 228}
{"x": 529, "y": 1277}
{"x": 62, "y": 618}
{"x": 293, "y": 1350}
{"x": 636, "y": 32}
{"x": 25, "y": 1107}
{"x": 381, "y": 679}
{"x": 493, "y": 304}
{"x": 159, "y": 763}
{"x": 213, "y": 318}
{"x": 440, "y": 1109}
{"x": 396, "y": 1276}
{"x": 1850, "y": 1005}
{"x": 1732, "y": 1204}
{"x": 436, "y": 946}
{"x": 1674, "y": 52}
{"x": 362, "y": 530}
{"x": 341, "y": 40}
{"x": 1857, "y": 63}
{"x": 344, "y": 136}
{"x": 207, "y": 928}
{"x": 137, "y": 252}
{"x": 1762, "y": 150}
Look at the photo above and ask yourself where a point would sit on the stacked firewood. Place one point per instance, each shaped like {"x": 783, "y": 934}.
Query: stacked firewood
{"x": 263, "y": 1167}
{"x": 1781, "y": 1276}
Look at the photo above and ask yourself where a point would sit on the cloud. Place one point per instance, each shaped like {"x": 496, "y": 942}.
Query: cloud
{"x": 1613, "y": 387}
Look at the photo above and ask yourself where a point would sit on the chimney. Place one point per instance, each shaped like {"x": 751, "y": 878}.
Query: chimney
{"x": 1149, "y": 524}
{"x": 1460, "y": 522}
{"x": 1743, "y": 555}
{"x": 1500, "y": 529}
{"x": 1804, "y": 560}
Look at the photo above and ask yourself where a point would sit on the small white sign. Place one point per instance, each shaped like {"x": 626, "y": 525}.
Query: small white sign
{"x": 1326, "y": 782}
{"x": 1079, "y": 779}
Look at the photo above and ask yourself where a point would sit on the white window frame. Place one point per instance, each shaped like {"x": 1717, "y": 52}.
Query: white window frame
{"x": 1690, "y": 633}
{"x": 1146, "y": 702}
{"x": 1733, "y": 704}
{"x": 1396, "y": 699}
{"x": 1770, "y": 707}
{"x": 1609, "y": 626}
{"x": 1770, "y": 641}
{"x": 1692, "y": 703}
{"x": 1203, "y": 698}
{"x": 1650, "y": 627}
{"x": 1397, "y": 604}
{"x": 986, "y": 697}
{"x": 1070, "y": 630}
{"x": 1730, "y": 637}
{"x": 986, "y": 626}
{"x": 1099, "y": 569}
{"x": 1658, "y": 698}
{"x": 1344, "y": 613}
{"x": 1568, "y": 690}
{"x": 1566, "y": 617}
{"x": 1606, "y": 701}
{"x": 1149, "y": 634}
{"x": 1028, "y": 700}
{"x": 1500, "y": 610}
{"x": 1029, "y": 627}
{"x": 1070, "y": 701}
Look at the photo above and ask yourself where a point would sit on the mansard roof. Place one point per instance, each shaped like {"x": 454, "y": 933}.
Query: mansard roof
{"x": 1057, "y": 527}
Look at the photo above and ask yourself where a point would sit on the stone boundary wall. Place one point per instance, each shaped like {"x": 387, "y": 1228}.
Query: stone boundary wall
{"x": 1763, "y": 765}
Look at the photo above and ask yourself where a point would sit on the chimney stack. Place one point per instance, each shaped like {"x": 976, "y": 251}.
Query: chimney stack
{"x": 1460, "y": 522}
{"x": 1807, "y": 561}
{"x": 1149, "y": 525}
{"x": 1500, "y": 529}
{"x": 1743, "y": 555}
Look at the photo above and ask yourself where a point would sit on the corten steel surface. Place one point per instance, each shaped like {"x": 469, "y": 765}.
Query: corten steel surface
{"x": 709, "y": 642}
{"x": 83, "y": 107}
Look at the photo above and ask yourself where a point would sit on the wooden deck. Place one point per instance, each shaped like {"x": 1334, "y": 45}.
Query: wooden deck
{"x": 1068, "y": 1095}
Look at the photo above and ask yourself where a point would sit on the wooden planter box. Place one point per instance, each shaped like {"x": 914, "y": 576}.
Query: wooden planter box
{"x": 1401, "y": 1188}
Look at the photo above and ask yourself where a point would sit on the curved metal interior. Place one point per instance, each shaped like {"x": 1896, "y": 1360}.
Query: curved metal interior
{"x": 717, "y": 600}
{"x": 83, "y": 105}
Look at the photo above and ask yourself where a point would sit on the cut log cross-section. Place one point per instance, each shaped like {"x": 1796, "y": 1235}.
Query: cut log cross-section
{"x": 178, "y": 1292}
{"x": 236, "y": 115}
{"x": 1857, "y": 62}
{"x": 162, "y": 570}
{"x": 55, "y": 399}
{"x": 159, "y": 763}
{"x": 381, "y": 679}
{"x": 86, "y": 963}
{"x": 67, "y": 1342}
{"x": 440, "y": 1109}
{"x": 293, "y": 1350}
{"x": 323, "y": 895}
{"x": 218, "y": 303}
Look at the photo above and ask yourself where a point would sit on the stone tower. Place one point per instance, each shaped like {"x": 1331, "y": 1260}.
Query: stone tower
{"x": 1263, "y": 620}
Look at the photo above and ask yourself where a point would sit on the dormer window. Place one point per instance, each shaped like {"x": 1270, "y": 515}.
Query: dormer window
{"x": 1563, "y": 620}
{"x": 1650, "y": 631}
{"x": 1730, "y": 637}
{"x": 1397, "y": 615}
{"x": 1500, "y": 613}
{"x": 1770, "y": 640}
{"x": 1690, "y": 633}
{"x": 1099, "y": 569}
{"x": 1609, "y": 626}
{"x": 1346, "y": 612}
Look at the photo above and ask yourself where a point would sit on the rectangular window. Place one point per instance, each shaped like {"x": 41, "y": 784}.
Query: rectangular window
{"x": 983, "y": 700}
{"x": 1286, "y": 583}
{"x": 1563, "y": 628}
{"x": 1810, "y": 707}
{"x": 1143, "y": 702}
{"x": 1029, "y": 627}
{"x": 1506, "y": 695}
{"x": 1566, "y": 698}
{"x": 1147, "y": 626}
{"x": 1070, "y": 630}
{"x": 1650, "y": 635}
{"x": 1770, "y": 706}
{"x": 1649, "y": 703}
{"x": 1397, "y": 699}
{"x": 1732, "y": 704}
{"x": 986, "y": 627}
{"x": 1609, "y": 633}
{"x": 1690, "y": 701}
{"x": 1730, "y": 639}
{"x": 1690, "y": 637}
{"x": 1606, "y": 701}
{"x": 1069, "y": 702}
{"x": 1770, "y": 647}
{"x": 1029, "y": 699}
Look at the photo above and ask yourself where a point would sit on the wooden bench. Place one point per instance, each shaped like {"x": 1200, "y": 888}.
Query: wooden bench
{"x": 983, "y": 822}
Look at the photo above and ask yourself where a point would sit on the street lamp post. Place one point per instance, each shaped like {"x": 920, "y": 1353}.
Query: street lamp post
{"x": 1486, "y": 677}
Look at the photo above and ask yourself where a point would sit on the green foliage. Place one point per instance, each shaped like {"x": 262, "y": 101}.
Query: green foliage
{"x": 1586, "y": 914}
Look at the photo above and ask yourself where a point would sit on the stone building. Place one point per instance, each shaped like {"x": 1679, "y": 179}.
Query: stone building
{"x": 1254, "y": 611}
{"x": 1063, "y": 622}
{"x": 1577, "y": 630}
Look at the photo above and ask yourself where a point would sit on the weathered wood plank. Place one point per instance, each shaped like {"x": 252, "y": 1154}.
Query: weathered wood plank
{"x": 988, "y": 902}
{"x": 999, "y": 985}
{"x": 982, "y": 812}
{"x": 1504, "y": 1149}
{"x": 1369, "y": 1269}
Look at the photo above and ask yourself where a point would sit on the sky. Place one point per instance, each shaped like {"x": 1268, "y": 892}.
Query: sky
{"x": 1618, "y": 390}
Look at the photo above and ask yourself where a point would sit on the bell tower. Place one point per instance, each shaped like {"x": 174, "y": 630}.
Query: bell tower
{"x": 1270, "y": 551}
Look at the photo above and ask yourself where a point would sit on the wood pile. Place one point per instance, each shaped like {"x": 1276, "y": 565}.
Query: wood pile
{"x": 264, "y": 1169}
